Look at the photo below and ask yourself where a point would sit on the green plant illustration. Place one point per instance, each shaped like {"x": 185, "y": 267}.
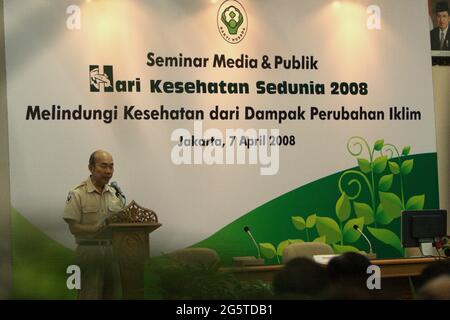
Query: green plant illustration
{"x": 378, "y": 174}
{"x": 366, "y": 199}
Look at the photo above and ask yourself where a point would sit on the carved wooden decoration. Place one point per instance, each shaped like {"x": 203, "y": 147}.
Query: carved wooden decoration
{"x": 129, "y": 231}
{"x": 134, "y": 213}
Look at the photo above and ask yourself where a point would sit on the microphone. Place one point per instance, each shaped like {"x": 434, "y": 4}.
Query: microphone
{"x": 247, "y": 230}
{"x": 119, "y": 192}
{"x": 367, "y": 239}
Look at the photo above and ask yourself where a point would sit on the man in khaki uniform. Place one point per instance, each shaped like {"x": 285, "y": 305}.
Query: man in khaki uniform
{"x": 87, "y": 207}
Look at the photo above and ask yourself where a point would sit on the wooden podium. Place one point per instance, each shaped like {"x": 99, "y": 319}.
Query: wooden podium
{"x": 129, "y": 232}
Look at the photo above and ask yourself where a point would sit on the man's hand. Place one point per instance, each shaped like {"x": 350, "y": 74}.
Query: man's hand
{"x": 79, "y": 229}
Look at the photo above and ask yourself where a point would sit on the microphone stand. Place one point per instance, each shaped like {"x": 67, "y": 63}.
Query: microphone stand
{"x": 250, "y": 260}
{"x": 254, "y": 242}
{"x": 370, "y": 255}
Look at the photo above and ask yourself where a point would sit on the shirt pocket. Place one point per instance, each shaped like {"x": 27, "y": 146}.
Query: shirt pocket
{"x": 90, "y": 214}
{"x": 114, "y": 206}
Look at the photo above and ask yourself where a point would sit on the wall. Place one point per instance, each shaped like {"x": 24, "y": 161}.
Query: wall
{"x": 441, "y": 85}
{"x": 5, "y": 239}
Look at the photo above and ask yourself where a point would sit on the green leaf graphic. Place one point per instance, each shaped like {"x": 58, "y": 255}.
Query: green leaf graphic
{"x": 379, "y": 144}
{"x": 381, "y": 216}
{"x": 365, "y": 211}
{"x": 388, "y": 237}
{"x": 299, "y": 223}
{"x": 364, "y": 165}
{"x": 322, "y": 239}
{"x": 380, "y": 164}
{"x": 385, "y": 182}
{"x": 329, "y": 228}
{"x": 350, "y": 234}
{"x": 393, "y": 166}
{"x": 406, "y": 150}
{"x": 267, "y": 250}
{"x": 343, "y": 207}
{"x": 343, "y": 249}
{"x": 392, "y": 204}
{"x": 311, "y": 221}
{"x": 416, "y": 202}
{"x": 407, "y": 167}
{"x": 281, "y": 247}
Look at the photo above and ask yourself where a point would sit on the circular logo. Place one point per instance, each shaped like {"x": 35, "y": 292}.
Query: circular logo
{"x": 232, "y": 21}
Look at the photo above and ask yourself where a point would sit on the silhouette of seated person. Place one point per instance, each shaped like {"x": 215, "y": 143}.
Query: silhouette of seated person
{"x": 433, "y": 271}
{"x": 301, "y": 278}
{"x": 436, "y": 289}
{"x": 348, "y": 277}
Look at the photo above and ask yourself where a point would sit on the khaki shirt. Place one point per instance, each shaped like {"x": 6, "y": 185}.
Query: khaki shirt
{"x": 86, "y": 205}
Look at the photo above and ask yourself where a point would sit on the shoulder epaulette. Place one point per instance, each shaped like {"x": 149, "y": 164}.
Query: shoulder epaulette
{"x": 82, "y": 184}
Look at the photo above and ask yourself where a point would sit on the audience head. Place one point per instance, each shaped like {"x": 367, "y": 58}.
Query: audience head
{"x": 348, "y": 278}
{"x": 435, "y": 289}
{"x": 350, "y": 291}
{"x": 300, "y": 278}
{"x": 350, "y": 266}
{"x": 434, "y": 270}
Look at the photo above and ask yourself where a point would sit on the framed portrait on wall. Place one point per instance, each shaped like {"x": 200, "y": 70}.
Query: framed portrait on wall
{"x": 439, "y": 13}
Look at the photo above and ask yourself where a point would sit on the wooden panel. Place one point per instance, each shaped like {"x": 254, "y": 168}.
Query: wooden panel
{"x": 402, "y": 267}
{"x": 131, "y": 250}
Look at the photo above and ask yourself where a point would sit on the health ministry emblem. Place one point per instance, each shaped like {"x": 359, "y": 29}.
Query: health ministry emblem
{"x": 232, "y": 21}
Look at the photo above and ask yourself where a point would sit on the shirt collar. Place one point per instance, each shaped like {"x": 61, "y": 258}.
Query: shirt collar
{"x": 444, "y": 31}
{"x": 91, "y": 188}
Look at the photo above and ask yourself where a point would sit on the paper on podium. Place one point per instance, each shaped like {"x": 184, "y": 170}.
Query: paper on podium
{"x": 324, "y": 258}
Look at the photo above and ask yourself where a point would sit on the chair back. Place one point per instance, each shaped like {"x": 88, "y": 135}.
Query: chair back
{"x": 195, "y": 257}
{"x": 305, "y": 249}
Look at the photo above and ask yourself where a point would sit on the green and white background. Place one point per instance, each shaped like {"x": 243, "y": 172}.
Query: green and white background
{"x": 313, "y": 197}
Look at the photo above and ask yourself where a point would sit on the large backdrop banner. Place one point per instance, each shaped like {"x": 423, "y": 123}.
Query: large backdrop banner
{"x": 297, "y": 119}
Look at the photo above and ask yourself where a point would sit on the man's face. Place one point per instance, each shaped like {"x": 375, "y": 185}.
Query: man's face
{"x": 103, "y": 170}
{"x": 442, "y": 19}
